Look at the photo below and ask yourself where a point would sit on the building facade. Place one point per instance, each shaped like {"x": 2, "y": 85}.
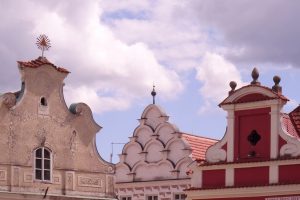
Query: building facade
{"x": 153, "y": 164}
{"x": 259, "y": 156}
{"x": 47, "y": 149}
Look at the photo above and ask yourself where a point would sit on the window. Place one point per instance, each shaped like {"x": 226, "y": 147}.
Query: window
{"x": 125, "y": 198}
{"x": 42, "y": 164}
{"x": 152, "y": 197}
{"x": 43, "y": 101}
{"x": 179, "y": 196}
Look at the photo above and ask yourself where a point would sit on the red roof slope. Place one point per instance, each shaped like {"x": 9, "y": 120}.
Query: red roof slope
{"x": 198, "y": 145}
{"x": 39, "y": 62}
{"x": 295, "y": 118}
{"x": 288, "y": 125}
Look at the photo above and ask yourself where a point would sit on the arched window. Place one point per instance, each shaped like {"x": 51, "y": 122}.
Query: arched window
{"x": 42, "y": 164}
{"x": 43, "y": 101}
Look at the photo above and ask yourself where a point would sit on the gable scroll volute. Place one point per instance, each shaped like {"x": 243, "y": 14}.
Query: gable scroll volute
{"x": 84, "y": 122}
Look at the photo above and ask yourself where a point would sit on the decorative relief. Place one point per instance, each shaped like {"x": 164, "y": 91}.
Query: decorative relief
{"x": 15, "y": 175}
{"x": 110, "y": 184}
{"x": 56, "y": 179}
{"x": 70, "y": 180}
{"x": 89, "y": 181}
{"x": 3, "y": 175}
{"x": 11, "y": 136}
{"x": 73, "y": 144}
{"x": 41, "y": 135}
{"x": 28, "y": 177}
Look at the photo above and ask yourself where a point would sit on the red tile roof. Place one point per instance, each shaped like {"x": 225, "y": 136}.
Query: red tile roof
{"x": 39, "y": 62}
{"x": 252, "y": 99}
{"x": 289, "y": 126}
{"x": 295, "y": 119}
{"x": 198, "y": 145}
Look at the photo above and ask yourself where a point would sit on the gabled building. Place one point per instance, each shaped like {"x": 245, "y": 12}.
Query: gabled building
{"x": 259, "y": 155}
{"x": 153, "y": 164}
{"x": 47, "y": 149}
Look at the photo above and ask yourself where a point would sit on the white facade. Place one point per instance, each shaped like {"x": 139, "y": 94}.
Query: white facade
{"x": 154, "y": 162}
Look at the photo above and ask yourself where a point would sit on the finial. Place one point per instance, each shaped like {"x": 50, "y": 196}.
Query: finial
{"x": 43, "y": 43}
{"x": 153, "y": 93}
{"x": 255, "y": 75}
{"x": 277, "y": 88}
{"x": 232, "y": 85}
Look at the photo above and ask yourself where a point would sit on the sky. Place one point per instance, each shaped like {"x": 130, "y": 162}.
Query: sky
{"x": 190, "y": 50}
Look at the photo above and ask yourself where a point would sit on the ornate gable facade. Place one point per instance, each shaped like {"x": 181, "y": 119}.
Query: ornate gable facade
{"x": 258, "y": 157}
{"x": 153, "y": 164}
{"x": 47, "y": 149}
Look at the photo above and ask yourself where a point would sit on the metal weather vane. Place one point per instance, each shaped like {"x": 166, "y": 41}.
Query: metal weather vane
{"x": 43, "y": 43}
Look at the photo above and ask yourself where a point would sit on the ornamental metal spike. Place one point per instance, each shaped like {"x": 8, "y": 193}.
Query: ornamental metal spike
{"x": 153, "y": 93}
{"x": 43, "y": 43}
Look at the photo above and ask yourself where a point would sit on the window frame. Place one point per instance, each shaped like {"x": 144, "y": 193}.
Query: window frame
{"x": 42, "y": 169}
{"x": 126, "y": 197}
{"x": 152, "y": 195}
{"x": 180, "y": 196}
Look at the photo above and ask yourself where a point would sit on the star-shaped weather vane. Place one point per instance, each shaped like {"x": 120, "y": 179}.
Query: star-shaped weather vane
{"x": 43, "y": 43}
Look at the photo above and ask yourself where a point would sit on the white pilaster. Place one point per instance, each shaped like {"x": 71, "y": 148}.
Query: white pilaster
{"x": 229, "y": 177}
{"x": 273, "y": 174}
{"x": 230, "y": 132}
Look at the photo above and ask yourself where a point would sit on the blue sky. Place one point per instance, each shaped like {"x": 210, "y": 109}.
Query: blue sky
{"x": 190, "y": 49}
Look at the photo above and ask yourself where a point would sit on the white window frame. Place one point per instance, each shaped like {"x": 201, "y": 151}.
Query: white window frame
{"x": 42, "y": 163}
{"x": 182, "y": 196}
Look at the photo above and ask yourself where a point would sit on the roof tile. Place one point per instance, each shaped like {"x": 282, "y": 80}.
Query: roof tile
{"x": 39, "y": 62}
{"x": 198, "y": 145}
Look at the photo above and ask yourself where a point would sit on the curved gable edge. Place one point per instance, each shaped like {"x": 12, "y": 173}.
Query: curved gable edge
{"x": 261, "y": 92}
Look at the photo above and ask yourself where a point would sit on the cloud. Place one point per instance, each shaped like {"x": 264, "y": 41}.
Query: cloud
{"x": 177, "y": 42}
{"x": 254, "y": 31}
{"x": 215, "y": 73}
{"x": 107, "y": 73}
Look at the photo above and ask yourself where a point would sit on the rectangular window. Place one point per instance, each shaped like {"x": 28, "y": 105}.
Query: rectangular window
{"x": 152, "y": 197}
{"x": 179, "y": 196}
{"x": 126, "y": 198}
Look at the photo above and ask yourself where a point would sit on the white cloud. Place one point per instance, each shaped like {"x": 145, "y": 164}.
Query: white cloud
{"x": 106, "y": 73}
{"x": 215, "y": 73}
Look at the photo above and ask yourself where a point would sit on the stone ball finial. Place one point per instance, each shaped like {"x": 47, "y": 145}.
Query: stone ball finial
{"x": 276, "y": 80}
{"x": 255, "y": 75}
{"x": 276, "y": 87}
{"x": 232, "y": 85}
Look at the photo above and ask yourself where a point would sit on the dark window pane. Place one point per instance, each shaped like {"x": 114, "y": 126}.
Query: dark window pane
{"x": 46, "y": 164}
{"x": 38, "y": 153}
{"x": 155, "y": 198}
{"x": 38, "y": 174}
{"x": 46, "y": 154}
{"x": 129, "y": 198}
{"x": 149, "y": 197}
{"x": 47, "y": 175}
{"x": 38, "y": 163}
{"x": 176, "y": 196}
{"x": 123, "y": 198}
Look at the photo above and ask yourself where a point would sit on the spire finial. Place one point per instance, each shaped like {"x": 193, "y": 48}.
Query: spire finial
{"x": 255, "y": 75}
{"x": 43, "y": 43}
{"x": 153, "y": 93}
